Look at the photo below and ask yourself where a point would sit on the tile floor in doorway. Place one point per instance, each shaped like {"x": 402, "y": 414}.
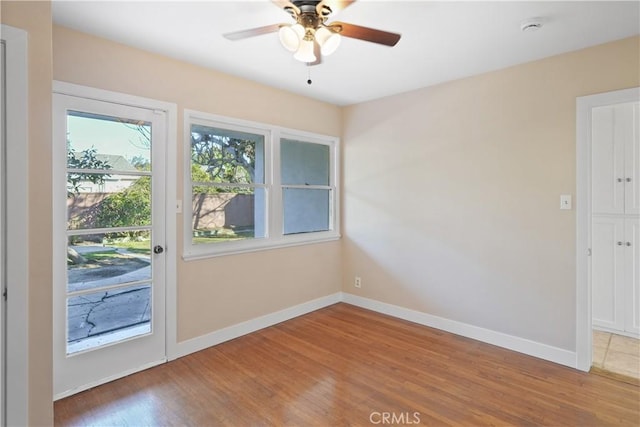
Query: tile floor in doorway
{"x": 617, "y": 354}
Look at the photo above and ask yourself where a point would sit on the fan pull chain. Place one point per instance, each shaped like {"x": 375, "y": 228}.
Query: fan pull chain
{"x": 309, "y": 75}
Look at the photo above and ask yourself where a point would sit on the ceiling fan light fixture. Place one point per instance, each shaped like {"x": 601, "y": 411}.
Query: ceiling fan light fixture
{"x": 305, "y": 51}
{"x": 310, "y": 38}
{"x": 290, "y": 36}
{"x": 328, "y": 40}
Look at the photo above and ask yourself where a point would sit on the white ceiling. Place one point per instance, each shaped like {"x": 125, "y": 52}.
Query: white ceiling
{"x": 441, "y": 41}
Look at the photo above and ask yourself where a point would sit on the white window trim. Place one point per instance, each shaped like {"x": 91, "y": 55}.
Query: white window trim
{"x": 273, "y": 134}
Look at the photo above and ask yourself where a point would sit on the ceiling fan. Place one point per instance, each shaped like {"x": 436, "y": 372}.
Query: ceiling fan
{"x": 311, "y": 36}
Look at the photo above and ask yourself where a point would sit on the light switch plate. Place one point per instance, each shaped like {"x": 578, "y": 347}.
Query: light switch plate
{"x": 565, "y": 201}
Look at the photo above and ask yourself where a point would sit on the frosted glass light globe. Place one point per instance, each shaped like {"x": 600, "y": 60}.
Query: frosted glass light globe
{"x": 290, "y": 36}
{"x": 305, "y": 51}
{"x": 328, "y": 40}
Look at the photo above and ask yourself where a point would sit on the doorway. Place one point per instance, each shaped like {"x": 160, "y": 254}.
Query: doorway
{"x": 607, "y": 233}
{"x": 110, "y": 238}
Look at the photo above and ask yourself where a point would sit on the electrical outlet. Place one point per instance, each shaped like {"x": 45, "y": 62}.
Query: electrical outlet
{"x": 358, "y": 282}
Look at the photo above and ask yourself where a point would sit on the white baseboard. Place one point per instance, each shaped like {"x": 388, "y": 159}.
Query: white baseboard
{"x": 521, "y": 345}
{"x": 231, "y": 332}
{"x": 105, "y": 380}
{"x": 616, "y": 331}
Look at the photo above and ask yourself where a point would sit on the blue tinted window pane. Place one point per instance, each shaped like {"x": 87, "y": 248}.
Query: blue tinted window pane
{"x": 303, "y": 163}
{"x": 306, "y": 210}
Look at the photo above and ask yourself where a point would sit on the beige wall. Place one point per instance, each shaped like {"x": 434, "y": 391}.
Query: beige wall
{"x": 216, "y": 292}
{"x": 451, "y": 193}
{"x": 35, "y": 18}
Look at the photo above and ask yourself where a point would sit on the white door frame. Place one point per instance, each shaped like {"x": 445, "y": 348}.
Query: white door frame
{"x": 584, "y": 105}
{"x": 171, "y": 251}
{"x": 17, "y": 214}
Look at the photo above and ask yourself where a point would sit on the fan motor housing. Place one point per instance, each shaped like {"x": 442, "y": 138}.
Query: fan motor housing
{"x": 310, "y": 7}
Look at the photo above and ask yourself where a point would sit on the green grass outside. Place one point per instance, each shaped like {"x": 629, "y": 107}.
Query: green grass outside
{"x": 137, "y": 247}
{"x": 215, "y": 239}
{"x": 221, "y": 235}
{"x": 143, "y": 247}
{"x": 98, "y": 256}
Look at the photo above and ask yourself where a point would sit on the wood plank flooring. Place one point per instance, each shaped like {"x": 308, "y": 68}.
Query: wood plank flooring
{"x": 346, "y": 366}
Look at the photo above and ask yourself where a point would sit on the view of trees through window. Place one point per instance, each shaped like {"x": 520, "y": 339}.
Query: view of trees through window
{"x": 226, "y": 176}
{"x": 222, "y": 159}
{"x": 126, "y": 208}
{"x": 256, "y": 186}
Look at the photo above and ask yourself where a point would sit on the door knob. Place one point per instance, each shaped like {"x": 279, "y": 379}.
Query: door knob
{"x": 619, "y": 244}
{"x": 619, "y": 180}
{"x": 628, "y": 179}
{"x": 158, "y": 249}
{"x": 628, "y": 243}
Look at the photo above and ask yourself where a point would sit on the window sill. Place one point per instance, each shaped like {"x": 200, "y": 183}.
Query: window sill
{"x": 206, "y": 251}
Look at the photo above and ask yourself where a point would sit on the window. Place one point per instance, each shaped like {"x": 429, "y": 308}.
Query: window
{"x": 255, "y": 186}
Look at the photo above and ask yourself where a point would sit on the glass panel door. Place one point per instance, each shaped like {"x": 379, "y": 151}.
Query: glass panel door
{"x": 110, "y": 304}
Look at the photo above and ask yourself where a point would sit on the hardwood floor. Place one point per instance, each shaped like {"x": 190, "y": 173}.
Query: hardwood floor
{"x": 343, "y": 366}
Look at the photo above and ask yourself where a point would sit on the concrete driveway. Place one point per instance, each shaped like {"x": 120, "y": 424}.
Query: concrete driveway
{"x": 104, "y": 312}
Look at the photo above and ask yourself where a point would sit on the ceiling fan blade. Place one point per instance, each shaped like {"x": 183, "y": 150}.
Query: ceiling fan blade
{"x": 243, "y": 34}
{"x": 367, "y": 34}
{"x": 334, "y": 5}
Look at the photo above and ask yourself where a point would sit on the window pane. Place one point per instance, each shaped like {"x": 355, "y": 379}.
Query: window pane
{"x": 306, "y": 210}
{"x": 110, "y": 143}
{"x": 303, "y": 163}
{"x": 100, "y": 318}
{"x": 108, "y": 259}
{"x": 108, "y": 200}
{"x": 219, "y": 155}
{"x": 222, "y": 214}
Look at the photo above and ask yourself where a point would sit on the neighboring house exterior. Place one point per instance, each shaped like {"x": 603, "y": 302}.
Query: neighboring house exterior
{"x": 113, "y": 182}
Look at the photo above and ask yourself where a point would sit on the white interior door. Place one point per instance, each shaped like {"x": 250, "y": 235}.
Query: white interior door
{"x": 608, "y": 146}
{"x": 607, "y": 272}
{"x": 3, "y": 239}
{"x": 109, "y": 238}
{"x": 632, "y": 160}
{"x": 632, "y": 276}
{"x": 15, "y": 211}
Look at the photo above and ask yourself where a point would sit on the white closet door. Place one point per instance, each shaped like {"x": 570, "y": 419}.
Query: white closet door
{"x": 632, "y": 159}
{"x": 608, "y": 272}
{"x": 607, "y": 157}
{"x": 632, "y": 275}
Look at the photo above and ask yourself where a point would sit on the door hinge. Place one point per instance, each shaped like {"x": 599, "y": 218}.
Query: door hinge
{"x": 4, "y": 294}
